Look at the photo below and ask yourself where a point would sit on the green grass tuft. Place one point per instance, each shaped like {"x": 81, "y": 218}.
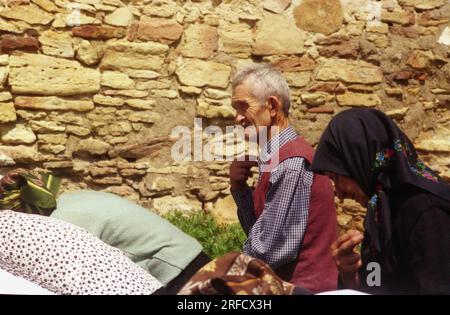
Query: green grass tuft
{"x": 216, "y": 239}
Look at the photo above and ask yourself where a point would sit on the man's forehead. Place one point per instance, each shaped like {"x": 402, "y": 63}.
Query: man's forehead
{"x": 240, "y": 92}
{"x": 237, "y": 97}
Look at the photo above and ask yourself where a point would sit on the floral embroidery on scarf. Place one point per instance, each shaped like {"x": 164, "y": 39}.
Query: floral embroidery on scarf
{"x": 372, "y": 207}
{"x": 383, "y": 158}
{"x": 373, "y": 203}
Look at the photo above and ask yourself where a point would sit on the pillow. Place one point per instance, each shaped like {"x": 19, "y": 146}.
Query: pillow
{"x": 65, "y": 259}
{"x": 146, "y": 238}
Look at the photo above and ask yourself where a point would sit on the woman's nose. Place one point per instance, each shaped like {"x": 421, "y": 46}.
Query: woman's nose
{"x": 339, "y": 194}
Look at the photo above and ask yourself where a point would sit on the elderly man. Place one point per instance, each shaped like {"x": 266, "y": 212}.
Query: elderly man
{"x": 290, "y": 217}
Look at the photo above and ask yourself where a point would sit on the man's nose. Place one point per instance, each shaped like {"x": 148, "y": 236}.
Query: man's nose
{"x": 239, "y": 118}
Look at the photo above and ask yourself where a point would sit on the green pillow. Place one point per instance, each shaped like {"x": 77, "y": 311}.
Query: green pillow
{"x": 147, "y": 239}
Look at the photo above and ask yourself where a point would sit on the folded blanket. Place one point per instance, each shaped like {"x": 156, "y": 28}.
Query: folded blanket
{"x": 238, "y": 274}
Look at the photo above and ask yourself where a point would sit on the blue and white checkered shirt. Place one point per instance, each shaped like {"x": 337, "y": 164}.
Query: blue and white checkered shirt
{"x": 276, "y": 236}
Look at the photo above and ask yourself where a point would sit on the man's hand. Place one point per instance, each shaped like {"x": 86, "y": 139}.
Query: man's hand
{"x": 240, "y": 172}
{"x": 347, "y": 260}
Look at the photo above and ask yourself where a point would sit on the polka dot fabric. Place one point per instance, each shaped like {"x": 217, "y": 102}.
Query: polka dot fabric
{"x": 66, "y": 259}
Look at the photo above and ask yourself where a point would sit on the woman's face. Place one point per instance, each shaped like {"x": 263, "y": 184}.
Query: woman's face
{"x": 348, "y": 188}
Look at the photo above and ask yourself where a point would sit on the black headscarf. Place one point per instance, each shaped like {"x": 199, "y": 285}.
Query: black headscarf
{"x": 366, "y": 145}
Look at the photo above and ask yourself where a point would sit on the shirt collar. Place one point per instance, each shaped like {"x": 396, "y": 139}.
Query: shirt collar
{"x": 274, "y": 144}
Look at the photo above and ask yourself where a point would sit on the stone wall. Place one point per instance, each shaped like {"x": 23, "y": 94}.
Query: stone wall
{"x": 82, "y": 77}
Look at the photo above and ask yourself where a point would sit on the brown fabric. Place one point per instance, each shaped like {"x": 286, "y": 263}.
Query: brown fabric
{"x": 236, "y": 274}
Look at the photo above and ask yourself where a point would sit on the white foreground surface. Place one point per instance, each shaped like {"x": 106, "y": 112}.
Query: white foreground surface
{"x": 342, "y": 292}
{"x": 10, "y": 284}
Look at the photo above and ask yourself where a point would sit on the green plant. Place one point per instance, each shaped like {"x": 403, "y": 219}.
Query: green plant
{"x": 216, "y": 239}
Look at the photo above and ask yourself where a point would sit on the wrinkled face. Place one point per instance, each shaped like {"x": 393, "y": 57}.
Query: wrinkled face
{"x": 250, "y": 113}
{"x": 348, "y": 188}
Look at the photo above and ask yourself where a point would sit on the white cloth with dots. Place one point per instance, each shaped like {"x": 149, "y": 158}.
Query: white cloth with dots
{"x": 66, "y": 259}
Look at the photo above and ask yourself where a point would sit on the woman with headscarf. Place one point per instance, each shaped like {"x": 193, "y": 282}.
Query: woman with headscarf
{"x": 407, "y": 225}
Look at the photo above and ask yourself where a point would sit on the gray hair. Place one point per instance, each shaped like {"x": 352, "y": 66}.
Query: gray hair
{"x": 264, "y": 81}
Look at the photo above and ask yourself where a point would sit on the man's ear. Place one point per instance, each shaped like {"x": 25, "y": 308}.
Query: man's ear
{"x": 275, "y": 105}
